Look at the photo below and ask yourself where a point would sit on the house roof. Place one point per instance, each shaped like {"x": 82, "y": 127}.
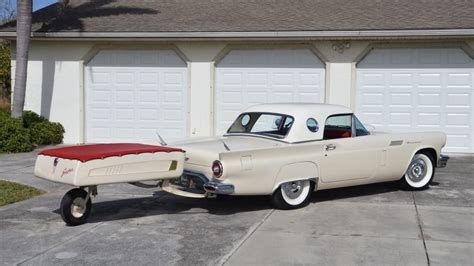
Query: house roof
{"x": 142, "y": 17}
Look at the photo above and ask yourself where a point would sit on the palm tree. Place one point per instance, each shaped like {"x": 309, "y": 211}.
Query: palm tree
{"x": 23, "y": 32}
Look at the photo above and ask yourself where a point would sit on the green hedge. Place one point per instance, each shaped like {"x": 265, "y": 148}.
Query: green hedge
{"x": 13, "y": 136}
{"x": 45, "y": 133}
{"x": 21, "y": 135}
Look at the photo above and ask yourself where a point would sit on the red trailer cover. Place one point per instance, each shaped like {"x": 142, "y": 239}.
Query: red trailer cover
{"x": 89, "y": 152}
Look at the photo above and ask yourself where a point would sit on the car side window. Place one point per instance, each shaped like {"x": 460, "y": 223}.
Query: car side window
{"x": 360, "y": 129}
{"x": 338, "y": 126}
{"x": 312, "y": 125}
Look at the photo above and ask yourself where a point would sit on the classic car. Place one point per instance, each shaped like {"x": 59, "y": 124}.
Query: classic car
{"x": 289, "y": 150}
{"x": 286, "y": 151}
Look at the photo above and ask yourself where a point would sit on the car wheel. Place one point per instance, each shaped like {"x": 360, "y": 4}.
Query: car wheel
{"x": 420, "y": 172}
{"x": 293, "y": 195}
{"x": 74, "y": 208}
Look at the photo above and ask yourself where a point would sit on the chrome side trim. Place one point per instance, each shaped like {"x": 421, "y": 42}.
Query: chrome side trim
{"x": 442, "y": 161}
{"x": 219, "y": 188}
{"x": 396, "y": 142}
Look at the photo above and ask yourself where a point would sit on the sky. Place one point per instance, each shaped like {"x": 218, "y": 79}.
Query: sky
{"x": 37, "y": 4}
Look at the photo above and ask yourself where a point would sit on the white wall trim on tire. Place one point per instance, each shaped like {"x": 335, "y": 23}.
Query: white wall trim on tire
{"x": 301, "y": 198}
{"x": 426, "y": 175}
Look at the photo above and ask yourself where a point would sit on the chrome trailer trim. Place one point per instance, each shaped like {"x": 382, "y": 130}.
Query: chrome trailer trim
{"x": 442, "y": 161}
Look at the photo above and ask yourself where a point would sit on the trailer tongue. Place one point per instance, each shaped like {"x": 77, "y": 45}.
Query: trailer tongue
{"x": 96, "y": 164}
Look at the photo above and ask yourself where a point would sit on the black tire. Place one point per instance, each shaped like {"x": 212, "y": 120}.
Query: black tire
{"x": 281, "y": 202}
{"x": 424, "y": 182}
{"x": 77, "y": 217}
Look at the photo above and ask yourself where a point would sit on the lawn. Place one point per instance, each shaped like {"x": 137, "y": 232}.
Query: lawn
{"x": 11, "y": 192}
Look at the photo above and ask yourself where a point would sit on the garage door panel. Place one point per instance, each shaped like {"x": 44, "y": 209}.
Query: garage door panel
{"x": 433, "y": 90}
{"x": 144, "y": 92}
{"x": 249, "y": 77}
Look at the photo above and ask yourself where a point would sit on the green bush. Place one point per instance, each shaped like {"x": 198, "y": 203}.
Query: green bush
{"x": 45, "y": 133}
{"x": 21, "y": 135}
{"x": 4, "y": 112}
{"x": 30, "y": 118}
{"x": 13, "y": 136}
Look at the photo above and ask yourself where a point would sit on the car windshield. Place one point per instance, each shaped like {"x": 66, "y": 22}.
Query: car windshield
{"x": 267, "y": 124}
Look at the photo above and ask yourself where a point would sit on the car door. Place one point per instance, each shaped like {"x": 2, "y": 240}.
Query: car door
{"x": 348, "y": 153}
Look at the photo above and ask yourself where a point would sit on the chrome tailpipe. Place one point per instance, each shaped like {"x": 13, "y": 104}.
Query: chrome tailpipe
{"x": 219, "y": 188}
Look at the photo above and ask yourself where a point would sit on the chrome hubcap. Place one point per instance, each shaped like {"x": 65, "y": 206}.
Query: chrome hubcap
{"x": 293, "y": 189}
{"x": 78, "y": 207}
{"x": 417, "y": 170}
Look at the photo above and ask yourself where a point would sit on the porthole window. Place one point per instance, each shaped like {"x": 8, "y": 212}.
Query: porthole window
{"x": 312, "y": 125}
{"x": 245, "y": 120}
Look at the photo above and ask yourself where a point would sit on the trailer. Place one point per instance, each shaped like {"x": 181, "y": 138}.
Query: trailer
{"x": 87, "y": 166}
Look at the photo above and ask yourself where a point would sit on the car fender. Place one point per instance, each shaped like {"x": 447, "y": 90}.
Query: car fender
{"x": 296, "y": 171}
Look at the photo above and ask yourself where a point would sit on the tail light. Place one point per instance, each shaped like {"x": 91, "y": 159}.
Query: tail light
{"x": 217, "y": 169}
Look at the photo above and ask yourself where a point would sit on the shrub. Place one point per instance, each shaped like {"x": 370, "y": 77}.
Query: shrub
{"x": 45, "y": 133}
{"x": 30, "y": 118}
{"x": 13, "y": 136}
{"x": 4, "y": 112}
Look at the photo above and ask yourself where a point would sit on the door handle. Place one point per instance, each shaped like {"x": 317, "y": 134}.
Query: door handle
{"x": 330, "y": 147}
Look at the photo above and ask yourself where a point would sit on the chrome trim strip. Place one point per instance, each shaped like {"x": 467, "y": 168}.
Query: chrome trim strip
{"x": 442, "y": 161}
{"x": 219, "y": 188}
{"x": 396, "y": 142}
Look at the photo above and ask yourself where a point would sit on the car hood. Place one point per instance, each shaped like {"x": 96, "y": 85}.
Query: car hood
{"x": 204, "y": 151}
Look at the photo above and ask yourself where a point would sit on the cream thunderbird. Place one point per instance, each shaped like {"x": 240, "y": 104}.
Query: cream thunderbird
{"x": 283, "y": 150}
{"x": 289, "y": 150}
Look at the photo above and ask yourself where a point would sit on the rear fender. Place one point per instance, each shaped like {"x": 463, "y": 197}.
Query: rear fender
{"x": 297, "y": 171}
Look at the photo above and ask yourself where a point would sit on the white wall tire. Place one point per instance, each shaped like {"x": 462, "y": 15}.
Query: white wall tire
{"x": 420, "y": 172}
{"x": 293, "y": 195}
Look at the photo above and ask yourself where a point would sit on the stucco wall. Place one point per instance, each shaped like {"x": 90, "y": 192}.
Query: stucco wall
{"x": 55, "y": 83}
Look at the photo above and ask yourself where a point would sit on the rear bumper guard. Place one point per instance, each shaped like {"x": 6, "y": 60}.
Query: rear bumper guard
{"x": 219, "y": 188}
{"x": 442, "y": 161}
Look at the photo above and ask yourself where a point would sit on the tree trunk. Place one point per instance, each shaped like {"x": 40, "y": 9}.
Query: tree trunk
{"x": 23, "y": 32}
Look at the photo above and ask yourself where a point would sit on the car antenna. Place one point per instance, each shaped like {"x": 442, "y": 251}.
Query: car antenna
{"x": 225, "y": 145}
{"x": 162, "y": 141}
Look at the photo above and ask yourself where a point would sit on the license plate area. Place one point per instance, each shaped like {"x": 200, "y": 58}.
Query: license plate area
{"x": 189, "y": 181}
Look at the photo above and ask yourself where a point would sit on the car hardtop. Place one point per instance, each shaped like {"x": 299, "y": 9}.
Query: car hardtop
{"x": 300, "y": 112}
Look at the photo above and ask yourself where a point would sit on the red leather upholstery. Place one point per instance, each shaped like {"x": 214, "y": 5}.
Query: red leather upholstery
{"x": 336, "y": 134}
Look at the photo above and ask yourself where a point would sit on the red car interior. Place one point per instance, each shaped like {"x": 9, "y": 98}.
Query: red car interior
{"x": 336, "y": 134}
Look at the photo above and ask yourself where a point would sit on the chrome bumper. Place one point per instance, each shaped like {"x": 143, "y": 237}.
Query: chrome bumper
{"x": 218, "y": 188}
{"x": 442, "y": 161}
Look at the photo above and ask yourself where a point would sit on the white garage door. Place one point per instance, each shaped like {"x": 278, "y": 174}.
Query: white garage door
{"x": 249, "y": 77}
{"x": 132, "y": 94}
{"x": 419, "y": 90}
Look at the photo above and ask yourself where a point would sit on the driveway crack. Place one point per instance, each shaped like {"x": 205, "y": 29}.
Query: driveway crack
{"x": 418, "y": 219}
{"x": 244, "y": 239}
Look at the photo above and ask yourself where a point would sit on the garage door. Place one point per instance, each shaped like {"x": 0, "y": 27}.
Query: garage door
{"x": 419, "y": 90}
{"x": 249, "y": 77}
{"x": 130, "y": 95}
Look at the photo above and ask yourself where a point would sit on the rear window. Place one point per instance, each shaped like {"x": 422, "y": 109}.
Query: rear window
{"x": 267, "y": 124}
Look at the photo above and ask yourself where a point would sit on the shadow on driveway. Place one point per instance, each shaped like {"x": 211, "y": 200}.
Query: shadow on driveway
{"x": 164, "y": 203}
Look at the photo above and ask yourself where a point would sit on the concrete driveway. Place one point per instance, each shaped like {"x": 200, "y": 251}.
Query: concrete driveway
{"x": 375, "y": 224}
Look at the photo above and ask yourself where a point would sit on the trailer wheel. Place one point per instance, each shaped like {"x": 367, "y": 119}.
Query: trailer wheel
{"x": 74, "y": 208}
